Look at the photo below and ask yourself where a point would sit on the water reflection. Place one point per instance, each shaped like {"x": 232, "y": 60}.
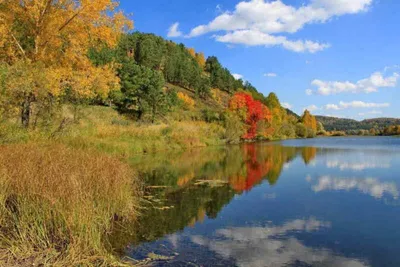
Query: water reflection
{"x": 186, "y": 192}
{"x": 273, "y": 246}
{"x": 369, "y": 186}
{"x": 359, "y": 166}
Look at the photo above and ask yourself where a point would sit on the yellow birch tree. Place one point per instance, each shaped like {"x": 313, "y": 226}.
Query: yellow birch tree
{"x": 52, "y": 38}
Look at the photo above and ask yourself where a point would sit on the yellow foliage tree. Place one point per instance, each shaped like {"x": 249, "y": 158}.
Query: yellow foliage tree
{"x": 192, "y": 52}
{"x": 201, "y": 59}
{"x": 309, "y": 120}
{"x": 53, "y": 38}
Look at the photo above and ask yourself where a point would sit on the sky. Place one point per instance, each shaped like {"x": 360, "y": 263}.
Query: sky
{"x": 333, "y": 57}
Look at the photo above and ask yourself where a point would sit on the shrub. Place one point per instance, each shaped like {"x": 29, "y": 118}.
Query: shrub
{"x": 310, "y": 133}
{"x": 209, "y": 115}
{"x": 301, "y": 130}
{"x": 187, "y": 101}
{"x": 287, "y": 130}
{"x": 234, "y": 128}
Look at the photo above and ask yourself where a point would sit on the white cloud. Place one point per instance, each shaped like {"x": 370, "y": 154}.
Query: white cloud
{"x": 311, "y": 108}
{"x": 368, "y": 85}
{"x": 332, "y": 107}
{"x": 237, "y": 76}
{"x": 286, "y": 105}
{"x": 355, "y": 104}
{"x": 270, "y": 74}
{"x": 257, "y": 38}
{"x": 274, "y": 246}
{"x": 259, "y": 19}
{"x": 173, "y": 31}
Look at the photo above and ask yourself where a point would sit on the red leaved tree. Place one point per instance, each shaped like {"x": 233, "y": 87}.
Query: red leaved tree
{"x": 251, "y": 112}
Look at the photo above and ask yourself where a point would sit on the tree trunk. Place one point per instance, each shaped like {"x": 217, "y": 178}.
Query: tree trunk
{"x": 26, "y": 111}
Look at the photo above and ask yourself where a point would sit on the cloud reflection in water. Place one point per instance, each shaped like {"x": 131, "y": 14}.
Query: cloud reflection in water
{"x": 369, "y": 186}
{"x": 271, "y": 246}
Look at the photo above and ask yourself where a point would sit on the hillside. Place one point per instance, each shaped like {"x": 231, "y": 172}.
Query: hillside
{"x": 341, "y": 124}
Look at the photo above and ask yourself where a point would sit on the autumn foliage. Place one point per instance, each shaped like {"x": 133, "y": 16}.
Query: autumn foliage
{"x": 309, "y": 120}
{"x": 251, "y": 111}
{"x": 44, "y": 46}
{"x": 187, "y": 100}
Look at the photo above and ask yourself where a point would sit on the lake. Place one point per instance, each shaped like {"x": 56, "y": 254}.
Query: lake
{"x": 315, "y": 202}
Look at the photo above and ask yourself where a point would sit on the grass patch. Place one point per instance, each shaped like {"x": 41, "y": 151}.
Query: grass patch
{"x": 107, "y": 131}
{"x": 57, "y": 205}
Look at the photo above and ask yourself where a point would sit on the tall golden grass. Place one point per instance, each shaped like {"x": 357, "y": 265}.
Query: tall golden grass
{"x": 57, "y": 204}
{"x": 107, "y": 131}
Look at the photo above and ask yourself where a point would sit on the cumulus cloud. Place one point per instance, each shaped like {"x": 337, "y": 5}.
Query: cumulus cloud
{"x": 173, "y": 31}
{"x": 271, "y": 246}
{"x": 262, "y": 20}
{"x": 369, "y": 85}
{"x": 369, "y": 186}
{"x": 355, "y": 104}
{"x": 257, "y": 38}
{"x": 270, "y": 74}
{"x": 286, "y": 105}
{"x": 237, "y": 76}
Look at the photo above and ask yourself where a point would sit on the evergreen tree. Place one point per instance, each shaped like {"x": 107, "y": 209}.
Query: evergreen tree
{"x": 141, "y": 91}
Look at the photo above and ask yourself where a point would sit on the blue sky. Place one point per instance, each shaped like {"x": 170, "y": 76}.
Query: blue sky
{"x": 336, "y": 57}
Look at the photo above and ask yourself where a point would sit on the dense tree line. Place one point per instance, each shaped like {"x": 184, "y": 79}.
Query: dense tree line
{"x": 352, "y": 126}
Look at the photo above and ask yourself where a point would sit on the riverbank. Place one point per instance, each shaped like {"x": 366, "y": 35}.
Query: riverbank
{"x": 62, "y": 189}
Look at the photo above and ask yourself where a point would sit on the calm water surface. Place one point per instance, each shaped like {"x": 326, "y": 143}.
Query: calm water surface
{"x": 317, "y": 202}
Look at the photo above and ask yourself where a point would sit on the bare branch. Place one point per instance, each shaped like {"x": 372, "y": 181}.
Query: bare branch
{"x": 19, "y": 45}
{"x": 70, "y": 20}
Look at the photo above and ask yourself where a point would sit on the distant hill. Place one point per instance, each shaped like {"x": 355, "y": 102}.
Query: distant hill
{"x": 340, "y": 124}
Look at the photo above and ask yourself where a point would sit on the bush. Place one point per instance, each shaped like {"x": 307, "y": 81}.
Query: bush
{"x": 234, "y": 128}
{"x": 310, "y": 133}
{"x": 287, "y": 130}
{"x": 301, "y": 130}
{"x": 209, "y": 116}
{"x": 186, "y": 100}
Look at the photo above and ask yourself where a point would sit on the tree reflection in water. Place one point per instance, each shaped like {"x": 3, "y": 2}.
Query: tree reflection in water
{"x": 184, "y": 188}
